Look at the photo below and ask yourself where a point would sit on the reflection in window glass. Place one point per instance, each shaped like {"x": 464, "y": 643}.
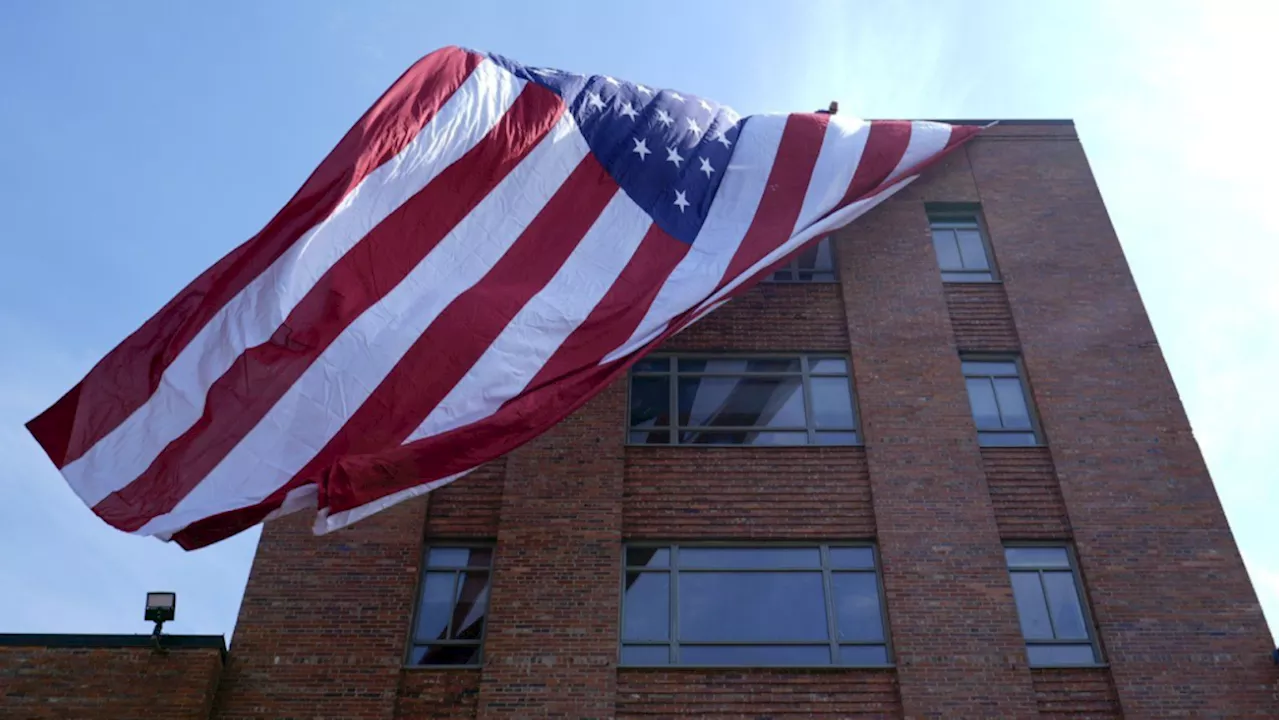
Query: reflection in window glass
{"x": 453, "y": 601}
{"x": 961, "y": 249}
{"x": 814, "y": 263}
{"x": 761, "y": 606}
{"x": 1047, "y": 594}
{"x": 999, "y": 403}
{"x": 794, "y": 400}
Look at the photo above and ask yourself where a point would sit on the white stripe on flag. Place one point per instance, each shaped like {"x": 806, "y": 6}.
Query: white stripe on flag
{"x": 543, "y": 324}
{"x": 842, "y": 147}
{"x": 253, "y": 316}
{"x": 728, "y": 219}
{"x": 330, "y": 391}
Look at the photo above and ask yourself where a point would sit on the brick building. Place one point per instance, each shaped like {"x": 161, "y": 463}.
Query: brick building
{"x": 936, "y": 468}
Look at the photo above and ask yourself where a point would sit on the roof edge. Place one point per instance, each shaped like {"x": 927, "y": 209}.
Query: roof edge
{"x": 168, "y": 642}
{"x": 1067, "y": 122}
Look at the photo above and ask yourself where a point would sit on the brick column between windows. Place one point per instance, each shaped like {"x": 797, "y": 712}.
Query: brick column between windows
{"x": 957, "y": 642}
{"x": 552, "y": 641}
{"x": 1170, "y": 594}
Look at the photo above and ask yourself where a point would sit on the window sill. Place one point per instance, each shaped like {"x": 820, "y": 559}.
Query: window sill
{"x": 973, "y": 282}
{"x": 1091, "y": 666}
{"x": 441, "y": 667}
{"x": 1038, "y": 445}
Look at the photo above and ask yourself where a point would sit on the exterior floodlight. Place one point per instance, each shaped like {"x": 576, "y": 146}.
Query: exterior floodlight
{"x": 160, "y": 608}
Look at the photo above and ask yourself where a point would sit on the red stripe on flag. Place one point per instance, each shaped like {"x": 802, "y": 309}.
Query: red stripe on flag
{"x": 123, "y": 380}
{"x": 239, "y": 399}
{"x": 470, "y": 324}
{"x": 887, "y": 142}
{"x": 784, "y": 192}
{"x": 567, "y": 380}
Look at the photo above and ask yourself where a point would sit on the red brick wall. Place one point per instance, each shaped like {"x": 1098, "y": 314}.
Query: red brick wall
{"x": 552, "y": 642}
{"x": 747, "y": 493}
{"x": 1180, "y": 624}
{"x": 980, "y": 317}
{"x": 468, "y": 509}
{"x": 431, "y": 694}
{"x": 1024, "y": 494}
{"x": 107, "y": 683}
{"x": 324, "y": 621}
{"x": 772, "y": 317}
{"x": 957, "y": 642}
{"x": 754, "y": 694}
{"x": 1075, "y": 694}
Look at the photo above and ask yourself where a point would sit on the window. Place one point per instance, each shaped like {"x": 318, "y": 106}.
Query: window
{"x": 757, "y": 606}
{"x": 454, "y": 598}
{"x": 813, "y": 264}
{"x": 1050, "y": 606}
{"x": 963, "y": 253}
{"x": 999, "y": 402}
{"x": 697, "y": 400}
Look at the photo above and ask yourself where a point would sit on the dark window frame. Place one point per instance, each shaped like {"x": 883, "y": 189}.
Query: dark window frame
{"x": 789, "y": 272}
{"x": 805, "y": 374}
{"x": 1077, "y": 580}
{"x": 414, "y": 642}
{"x": 1036, "y": 429}
{"x": 959, "y": 216}
{"x": 833, "y": 642}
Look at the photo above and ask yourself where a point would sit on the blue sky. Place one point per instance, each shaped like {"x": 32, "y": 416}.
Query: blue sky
{"x": 140, "y": 141}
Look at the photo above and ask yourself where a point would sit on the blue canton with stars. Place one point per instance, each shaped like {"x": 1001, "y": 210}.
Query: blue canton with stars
{"x": 667, "y": 150}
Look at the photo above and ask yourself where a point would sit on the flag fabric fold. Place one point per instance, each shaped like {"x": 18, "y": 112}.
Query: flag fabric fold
{"x": 486, "y": 249}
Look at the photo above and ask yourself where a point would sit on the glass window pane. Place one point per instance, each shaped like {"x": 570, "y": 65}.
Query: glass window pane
{"x": 990, "y": 367}
{"x": 852, "y": 557}
{"x": 972, "y": 253}
{"x": 1013, "y": 405}
{"x": 739, "y": 558}
{"x": 646, "y": 655}
{"x": 755, "y": 655}
{"x": 650, "y": 401}
{"x": 1037, "y": 557}
{"x": 448, "y": 557}
{"x": 733, "y": 365}
{"x": 1064, "y": 606}
{"x": 652, "y": 364}
{"x": 471, "y": 605}
{"x": 445, "y": 655}
{"x": 864, "y": 655}
{"x": 832, "y": 403}
{"x": 825, "y": 259}
{"x": 648, "y": 556}
{"x": 751, "y": 606}
{"x": 660, "y": 436}
{"x": 982, "y": 400}
{"x": 807, "y": 259}
{"x": 835, "y": 438}
{"x": 822, "y": 277}
{"x": 1060, "y": 655}
{"x": 646, "y": 606}
{"x": 436, "y": 602}
{"x": 1032, "y": 613}
{"x": 944, "y": 245}
{"x": 829, "y": 365}
{"x": 1006, "y": 439}
{"x": 857, "y": 604}
{"x": 960, "y": 277}
{"x": 728, "y": 437}
{"x": 743, "y": 402}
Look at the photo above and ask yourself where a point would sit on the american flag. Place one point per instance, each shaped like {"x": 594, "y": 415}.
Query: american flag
{"x": 483, "y": 252}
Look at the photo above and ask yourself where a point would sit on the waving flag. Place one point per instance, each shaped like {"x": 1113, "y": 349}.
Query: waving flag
{"x": 483, "y": 252}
